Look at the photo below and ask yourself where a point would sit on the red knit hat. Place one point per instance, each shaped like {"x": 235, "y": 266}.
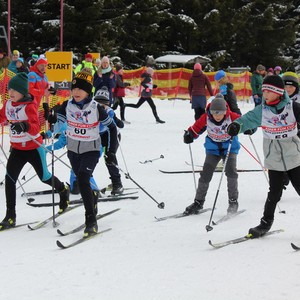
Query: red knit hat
{"x": 197, "y": 66}
{"x": 88, "y": 55}
{"x": 41, "y": 60}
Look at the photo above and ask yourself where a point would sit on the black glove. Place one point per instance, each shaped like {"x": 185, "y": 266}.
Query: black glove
{"x": 250, "y": 131}
{"x": 46, "y": 110}
{"x": 110, "y": 158}
{"x": 233, "y": 129}
{"x": 126, "y": 84}
{"x": 19, "y": 127}
{"x": 188, "y": 137}
{"x": 52, "y": 90}
{"x": 154, "y": 86}
{"x": 52, "y": 119}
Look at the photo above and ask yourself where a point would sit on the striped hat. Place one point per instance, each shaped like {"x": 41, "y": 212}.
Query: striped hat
{"x": 273, "y": 83}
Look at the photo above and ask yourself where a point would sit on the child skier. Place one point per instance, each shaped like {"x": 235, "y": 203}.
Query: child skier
{"x": 215, "y": 121}
{"x": 102, "y": 97}
{"x": 22, "y": 114}
{"x": 83, "y": 115}
{"x": 278, "y": 117}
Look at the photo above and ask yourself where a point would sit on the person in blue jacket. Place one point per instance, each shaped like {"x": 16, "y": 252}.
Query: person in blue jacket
{"x": 215, "y": 121}
{"x": 278, "y": 117}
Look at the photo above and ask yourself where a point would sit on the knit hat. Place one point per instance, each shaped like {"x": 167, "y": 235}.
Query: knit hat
{"x": 16, "y": 52}
{"x": 290, "y": 78}
{"x": 219, "y": 75}
{"x": 19, "y": 83}
{"x": 102, "y": 96}
{"x": 271, "y": 70}
{"x": 34, "y": 56}
{"x": 261, "y": 68}
{"x": 118, "y": 67}
{"x": 1, "y": 51}
{"x": 273, "y": 83}
{"x": 41, "y": 60}
{"x": 21, "y": 60}
{"x": 88, "y": 55}
{"x": 218, "y": 105}
{"x": 83, "y": 80}
{"x": 197, "y": 66}
{"x": 278, "y": 68}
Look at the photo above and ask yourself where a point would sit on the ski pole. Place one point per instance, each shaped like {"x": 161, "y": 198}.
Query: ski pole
{"x": 36, "y": 174}
{"x": 193, "y": 168}
{"x": 45, "y": 148}
{"x": 160, "y": 205}
{"x": 151, "y": 160}
{"x": 265, "y": 173}
{"x": 252, "y": 156}
{"x": 54, "y": 223}
{"x": 209, "y": 227}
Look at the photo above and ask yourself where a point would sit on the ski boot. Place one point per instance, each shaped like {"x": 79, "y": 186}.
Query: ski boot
{"x": 159, "y": 121}
{"x": 9, "y": 221}
{"x": 264, "y": 226}
{"x": 194, "y": 208}
{"x": 91, "y": 226}
{"x": 233, "y": 206}
{"x": 64, "y": 199}
{"x": 117, "y": 188}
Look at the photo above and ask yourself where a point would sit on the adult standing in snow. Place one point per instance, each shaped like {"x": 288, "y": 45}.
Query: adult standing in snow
{"x": 256, "y": 83}
{"x": 119, "y": 92}
{"x": 198, "y": 83}
{"x": 38, "y": 81}
{"x": 147, "y": 89}
{"x": 216, "y": 119}
{"x": 21, "y": 113}
{"x": 278, "y": 117}
{"x": 226, "y": 89}
{"x": 105, "y": 77}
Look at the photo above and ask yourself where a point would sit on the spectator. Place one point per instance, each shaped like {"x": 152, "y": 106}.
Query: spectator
{"x": 86, "y": 63}
{"x": 278, "y": 71}
{"x": 12, "y": 66}
{"x": 21, "y": 66}
{"x": 4, "y": 61}
{"x": 105, "y": 77}
{"x": 119, "y": 92}
{"x": 256, "y": 83}
{"x": 270, "y": 72}
{"x": 197, "y": 91}
{"x": 226, "y": 89}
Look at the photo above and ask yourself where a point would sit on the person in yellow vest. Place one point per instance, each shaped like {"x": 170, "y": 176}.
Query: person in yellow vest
{"x": 86, "y": 63}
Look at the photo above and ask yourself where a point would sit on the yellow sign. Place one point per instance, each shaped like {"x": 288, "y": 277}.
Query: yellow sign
{"x": 59, "y": 66}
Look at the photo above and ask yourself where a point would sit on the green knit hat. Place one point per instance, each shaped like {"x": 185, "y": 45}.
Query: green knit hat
{"x": 19, "y": 83}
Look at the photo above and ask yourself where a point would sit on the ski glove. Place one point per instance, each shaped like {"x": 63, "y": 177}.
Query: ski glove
{"x": 110, "y": 158}
{"x": 19, "y": 127}
{"x": 52, "y": 90}
{"x": 52, "y": 119}
{"x": 46, "y": 110}
{"x": 233, "y": 129}
{"x": 250, "y": 131}
{"x": 188, "y": 137}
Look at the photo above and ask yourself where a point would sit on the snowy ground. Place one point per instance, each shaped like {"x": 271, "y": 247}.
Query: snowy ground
{"x": 144, "y": 259}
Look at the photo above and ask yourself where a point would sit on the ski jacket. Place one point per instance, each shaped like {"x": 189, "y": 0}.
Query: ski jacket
{"x": 231, "y": 100}
{"x": 23, "y": 110}
{"x": 217, "y": 140}
{"x": 119, "y": 90}
{"x": 147, "y": 85}
{"x": 197, "y": 84}
{"x": 38, "y": 83}
{"x": 282, "y": 150}
{"x": 256, "y": 84}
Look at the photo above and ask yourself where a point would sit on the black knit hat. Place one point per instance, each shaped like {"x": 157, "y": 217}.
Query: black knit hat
{"x": 273, "y": 83}
{"x": 218, "y": 105}
{"x": 83, "y": 80}
{"x": 19, "y": 83}
{"x": 102, "y": 96}
{"x": 118, "y": 67}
